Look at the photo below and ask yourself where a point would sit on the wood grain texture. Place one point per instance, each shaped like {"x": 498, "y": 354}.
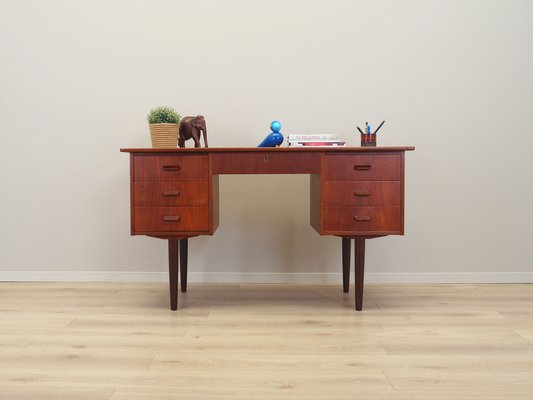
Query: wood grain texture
{"x": 119, "y": 341}
{"x": 364, "y": 220}
{"x": 183, "y": 263}
{"x": 346, "y": 258}
{"x": 267, "y": 162}
{"x": 363, "y": 193}
{"x": 288, "y": 150}
{"x": 360, "y": 194}
{"x": 173, "y": 268}
{"x": 316, "y": 203}
{"x": 171, "y": 219}
{"x": 165, "y": 168}
{"x": 359, "y": 271}
{"x": 171, "y": 193}
{"x": 363, "y": 167}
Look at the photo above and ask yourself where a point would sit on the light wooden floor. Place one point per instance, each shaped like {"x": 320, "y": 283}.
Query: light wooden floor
{"x": 120, "y": 341}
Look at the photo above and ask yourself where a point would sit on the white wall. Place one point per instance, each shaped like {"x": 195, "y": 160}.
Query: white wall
{"x": 452, "y": 78}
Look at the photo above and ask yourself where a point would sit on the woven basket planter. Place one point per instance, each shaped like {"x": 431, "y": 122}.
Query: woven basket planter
{"x": 164, "y": 135}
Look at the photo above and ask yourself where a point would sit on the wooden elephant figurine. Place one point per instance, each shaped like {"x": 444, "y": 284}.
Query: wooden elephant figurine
{"x": 190, "y": 127}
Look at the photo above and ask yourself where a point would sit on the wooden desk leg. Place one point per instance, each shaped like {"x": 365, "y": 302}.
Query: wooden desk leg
{"x": 346, "y": 250}
{"x": 173, "y": 251}
{"x": 184, "y": 254}
{"x": 359, "y": 250}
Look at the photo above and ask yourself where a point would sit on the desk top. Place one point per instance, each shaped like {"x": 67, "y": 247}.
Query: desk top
{"x": 336, "y": 149}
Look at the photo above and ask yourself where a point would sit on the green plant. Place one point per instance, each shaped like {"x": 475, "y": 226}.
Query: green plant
{"x": 163, "y": 115}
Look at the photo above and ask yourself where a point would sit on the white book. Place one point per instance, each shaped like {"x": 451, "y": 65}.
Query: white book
{"x": 317, "y": 136}
{"x": 316, "y": 143}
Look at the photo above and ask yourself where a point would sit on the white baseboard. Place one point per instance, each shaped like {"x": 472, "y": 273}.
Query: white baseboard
{"x": 264, "y": 277}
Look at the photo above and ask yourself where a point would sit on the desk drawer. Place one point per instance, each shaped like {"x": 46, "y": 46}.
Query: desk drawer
{"x": 355, "y": 219}
{"x": 170, "y": 168}
{"x": 267, "y": 162}
{"x": 363, "y": 167}
{"x": 171, "y": 219}
{"x": 363, "y": 193}
{"x": 171, "y": 193}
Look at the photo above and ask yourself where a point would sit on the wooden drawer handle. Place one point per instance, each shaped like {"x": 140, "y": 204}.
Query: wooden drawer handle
{"x": 361, "y": 194}
{"x": 170, "y": 168}
{"x": 170, "y": 218}
{"x": 362, "y": 167}
{"x": 167, "y": 193}
{"x": 362, "y": 218}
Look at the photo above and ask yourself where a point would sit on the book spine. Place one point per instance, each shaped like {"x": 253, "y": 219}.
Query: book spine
{"x": 313, "y": 137}
{"x": 316, "y": 143}
{"x": 316, "y": 140}
{"x": 324, "y": 144}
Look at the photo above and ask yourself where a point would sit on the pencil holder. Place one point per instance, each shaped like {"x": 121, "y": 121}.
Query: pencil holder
{"x": 368, "y": 139}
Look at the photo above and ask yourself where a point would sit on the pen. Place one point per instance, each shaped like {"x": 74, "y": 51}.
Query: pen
{"x": 368, "y": 130}
{"x": 359, "y": 129}
{"x": 380, "y": 125}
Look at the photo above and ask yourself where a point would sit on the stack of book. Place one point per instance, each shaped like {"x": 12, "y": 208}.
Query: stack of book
{"x": 315, "y": 140}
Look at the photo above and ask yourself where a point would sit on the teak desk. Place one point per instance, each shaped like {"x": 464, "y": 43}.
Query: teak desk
{"x": 356, "y": 193}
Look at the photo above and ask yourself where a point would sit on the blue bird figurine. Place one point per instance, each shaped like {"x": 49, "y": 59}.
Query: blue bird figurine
{"x": 275, "y": 138}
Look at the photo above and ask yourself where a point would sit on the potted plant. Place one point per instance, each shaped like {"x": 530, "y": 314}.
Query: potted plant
{"x": 164, "y": 126}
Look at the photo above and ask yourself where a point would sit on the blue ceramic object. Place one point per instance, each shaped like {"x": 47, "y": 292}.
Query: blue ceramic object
{"x": 275, "y": 138}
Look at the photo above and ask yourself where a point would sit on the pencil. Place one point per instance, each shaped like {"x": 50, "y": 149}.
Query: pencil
{"x": 380, "y": 125}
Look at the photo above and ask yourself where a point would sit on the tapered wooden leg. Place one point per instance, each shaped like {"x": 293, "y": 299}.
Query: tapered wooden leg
{"x": 346, "y": 250}
{"x": 173, "y": 251}
{"x": 184, "y": 254}
{"x": 359, "y": 250}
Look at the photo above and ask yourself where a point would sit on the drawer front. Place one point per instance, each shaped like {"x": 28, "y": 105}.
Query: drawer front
{"x": 363, "y": 193}
{"x": 171, "y": 193}
{"x": 171, "y": 219}
{"x": 363, "y": 167}
{"x": 356, "y": 219}
{"x": 170, "y": 168}
{"x": 266, "y": 162}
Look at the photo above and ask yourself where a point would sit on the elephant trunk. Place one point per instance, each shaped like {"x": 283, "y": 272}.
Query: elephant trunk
{"x": 204, "y": 131}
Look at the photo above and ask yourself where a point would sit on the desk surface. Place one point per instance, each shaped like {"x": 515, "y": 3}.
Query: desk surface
{"x": 376, "y": 149}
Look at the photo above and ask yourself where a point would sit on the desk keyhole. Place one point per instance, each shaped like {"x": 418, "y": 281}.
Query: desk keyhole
{"x": 266, "y": 158}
